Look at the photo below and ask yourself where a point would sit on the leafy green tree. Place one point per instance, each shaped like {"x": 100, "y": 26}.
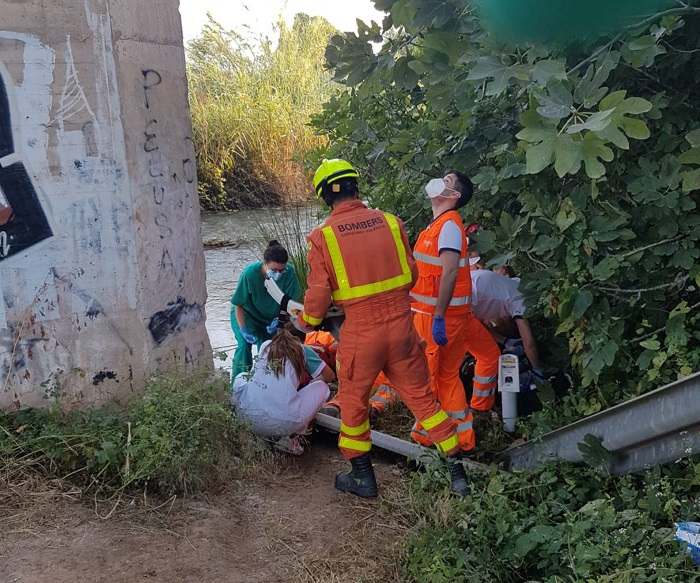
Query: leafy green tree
{"x": 587, "y": 162}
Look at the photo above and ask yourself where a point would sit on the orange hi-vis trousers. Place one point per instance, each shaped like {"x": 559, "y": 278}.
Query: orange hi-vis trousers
{"x": 444, "y": 363}
{"x": 384, "y": 395}
{"x": 481, "y": 345}
{"x": 369, "y": 345}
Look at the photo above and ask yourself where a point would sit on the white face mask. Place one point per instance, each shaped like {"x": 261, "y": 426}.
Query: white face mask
{"x": 436, "y": 187}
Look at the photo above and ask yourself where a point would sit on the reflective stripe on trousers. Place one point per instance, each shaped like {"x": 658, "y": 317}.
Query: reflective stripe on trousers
{"x": 384, "y": 397}
{"x": 482, "y": 346}
{"x": 355, "y": 438}
{"x": 464, "y": 424}
{"x": 485, "y": 386}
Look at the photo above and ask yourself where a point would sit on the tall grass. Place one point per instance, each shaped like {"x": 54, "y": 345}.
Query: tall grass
{"x": 251, "y": 103}
{"x": 179, "y": 436}
{"x": 290, "y": 225}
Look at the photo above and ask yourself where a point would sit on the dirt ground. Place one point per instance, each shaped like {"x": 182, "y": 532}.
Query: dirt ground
{"x": 288, "y": 526}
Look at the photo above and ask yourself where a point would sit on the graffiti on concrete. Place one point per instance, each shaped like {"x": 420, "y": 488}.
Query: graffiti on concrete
{"x": 169, "y": 183}
{"x": 55, "y": 302}
{"x": 99, "y": 237}
{"x": 169, "y": 180}
{"x": 101, "y": 376}
{"x": 23, "y": 222}
{"x": 173, "y": 318}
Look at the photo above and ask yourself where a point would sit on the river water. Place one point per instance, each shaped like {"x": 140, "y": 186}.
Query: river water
{"x": 251, "y": 231}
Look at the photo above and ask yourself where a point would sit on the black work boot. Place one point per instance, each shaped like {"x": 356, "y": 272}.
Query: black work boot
{"x": 458, "y": 477}
{"x": 360, "y": 480}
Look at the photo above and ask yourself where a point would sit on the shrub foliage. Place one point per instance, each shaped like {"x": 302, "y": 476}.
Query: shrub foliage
{"x": 555, "y": 525}
{"x": 587, "y": 161}
{"x": 179, "y": 436}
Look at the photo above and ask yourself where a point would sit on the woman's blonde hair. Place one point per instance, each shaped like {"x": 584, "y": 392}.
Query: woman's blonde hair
{"x": 285, "y": 348}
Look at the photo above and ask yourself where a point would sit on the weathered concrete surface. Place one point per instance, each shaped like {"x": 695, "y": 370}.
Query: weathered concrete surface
{"x": 102, "y": 278}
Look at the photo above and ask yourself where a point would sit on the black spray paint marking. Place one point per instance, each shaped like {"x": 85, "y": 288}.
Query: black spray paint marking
{"x": 151, "y": 78}
{"x": 176, "y": 316}
{"x": 150, "y": 137}
{"x": 100, "y": 377}
{"x": 16, "y": 354}
{"x": 23, "y": 222}
{"x": 92, "y": 306}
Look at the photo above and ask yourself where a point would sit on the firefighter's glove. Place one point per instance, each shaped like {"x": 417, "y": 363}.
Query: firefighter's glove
{"x": 439, "y": 333}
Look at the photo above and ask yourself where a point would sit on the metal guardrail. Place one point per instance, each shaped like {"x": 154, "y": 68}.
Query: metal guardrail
{"x": 659, "y": 427}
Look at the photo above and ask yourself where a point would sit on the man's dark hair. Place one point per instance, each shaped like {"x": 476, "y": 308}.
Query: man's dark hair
{"x": 275, "y": 252}
{"x": 340, "y": 190}
{"x": 464, "y": 186}
{"x": 509, "y": 270}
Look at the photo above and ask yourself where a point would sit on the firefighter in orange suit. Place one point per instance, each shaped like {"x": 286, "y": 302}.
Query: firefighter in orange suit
{"x": 360, "y": 259}
{"x": 440, "y": 301}
{"x": 382, "y": 395}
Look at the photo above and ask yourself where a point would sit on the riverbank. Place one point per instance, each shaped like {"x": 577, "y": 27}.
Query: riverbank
{"x": 288, "y": 524}
{"x": 232, "y": 241}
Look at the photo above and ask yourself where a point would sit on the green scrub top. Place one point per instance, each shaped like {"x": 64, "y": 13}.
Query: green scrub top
{"x": 313, "y": 361}
{"x": 251, "y": 295}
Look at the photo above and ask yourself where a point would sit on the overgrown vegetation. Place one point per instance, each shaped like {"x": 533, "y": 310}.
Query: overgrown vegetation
{"x": 587, "y": 163}
{"x": 554, "y": 525}
{"x": 179, "y": 436}
{"x": 251, "y": 103}
{"x": 586, "y": 158}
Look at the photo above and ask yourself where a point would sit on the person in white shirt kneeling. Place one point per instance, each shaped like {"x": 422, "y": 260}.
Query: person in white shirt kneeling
{"x": 269, "y": 396}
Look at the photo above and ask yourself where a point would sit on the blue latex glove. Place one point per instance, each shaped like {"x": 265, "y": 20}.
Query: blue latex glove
{"x": 272, "y": 328}
{"x": 249, "y": 338}
{"x": 439, "y": 333}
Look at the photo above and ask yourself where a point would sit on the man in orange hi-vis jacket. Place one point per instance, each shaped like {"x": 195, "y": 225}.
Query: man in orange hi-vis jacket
{"x": 441, "y": 301}
{"x": 360, "y": 259}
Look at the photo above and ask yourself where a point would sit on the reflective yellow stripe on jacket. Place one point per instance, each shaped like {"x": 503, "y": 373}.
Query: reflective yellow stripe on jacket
{"x": 465, "y": 301}
{"x": 424, "y": 294}
{"x": 347, "y": 292}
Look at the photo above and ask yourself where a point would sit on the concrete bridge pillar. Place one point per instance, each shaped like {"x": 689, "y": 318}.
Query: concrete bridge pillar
{"x": 102, "y": 278}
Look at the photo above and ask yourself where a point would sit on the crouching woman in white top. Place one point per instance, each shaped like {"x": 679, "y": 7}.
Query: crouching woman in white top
{"x": 268, "y": 396}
